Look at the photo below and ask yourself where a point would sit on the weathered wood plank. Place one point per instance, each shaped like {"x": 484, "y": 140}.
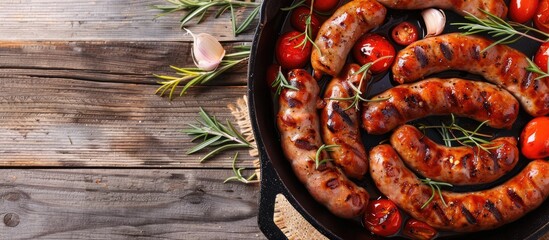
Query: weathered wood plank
{"x": 106, "y": 61}
{"x": 122, "y": 204}
{"x": 102, "y": 20}
{"x": 74, "y": 123}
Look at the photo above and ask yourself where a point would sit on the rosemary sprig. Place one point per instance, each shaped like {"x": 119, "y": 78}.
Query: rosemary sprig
{"x": 324, "y": 147}
{"x": 215, "y": 134}
{"x": 308, "y": 33}
{"x": 198, "y": 8}
{"x": 532, "y": 67}
{"x": 469, "y": 137}
{"x": 357, "y": 97}
{"x": 497, "y": 27}
{"x": 281, "y": 82}
{"x": 238, "y": 174}
{"x": 195, "y": 76}
{"x": 435, "y": 186}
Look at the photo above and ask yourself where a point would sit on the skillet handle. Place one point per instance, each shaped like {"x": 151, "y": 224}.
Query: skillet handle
{"x": 270, "y": 188}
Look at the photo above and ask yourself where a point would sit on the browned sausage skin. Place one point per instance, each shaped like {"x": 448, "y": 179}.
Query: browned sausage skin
{"x": 340, "y": 125}
{"x": 496, "y": 7}
{"x": 464, "y": 212}
{"x": 477, "y": 100}
{"x": 338, "y": 34}
{"x": 500, "y": 65}
{"x": 298, "y": 123}
{"x": 465, "y": 165}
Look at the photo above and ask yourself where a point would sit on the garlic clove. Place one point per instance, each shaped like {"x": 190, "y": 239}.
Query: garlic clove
{"x": 435, "y": 21}
{"x": 207, "y": 51}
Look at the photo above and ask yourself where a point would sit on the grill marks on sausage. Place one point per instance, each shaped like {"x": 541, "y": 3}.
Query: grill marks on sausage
{"x": 440, "y": 214}
{"x": 485, "y": 103}
{"x": 446, "y": 50}
{"x": 491, "y": 207}
{"x": 468, "y": 215}
{"x": 341, "y": 112}
{"x": 475, "y": 52}
{"x": 421, "y": 56}
{"x": 332, "y": 183}
{"x": 305, "y": 144}
{"x": 515, "y": 198}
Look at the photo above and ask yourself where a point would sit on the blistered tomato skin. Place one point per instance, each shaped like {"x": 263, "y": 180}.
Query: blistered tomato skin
{"x": 371, "y": 47}
{"x": 419, "y": 230}
{"x": 298, "y": 20}
{"x": 289, "y": 53}
{"x": 382, "y": 217}
{"x": 324, "y": 5}
{"x": 405, "y": 33}
{"x": 522, "y": 11}
{"x": 541, "y": 57}
{"x": 541, "y": 19}
{"x": 272, "y": 73}
{"x": 534, "y": 138}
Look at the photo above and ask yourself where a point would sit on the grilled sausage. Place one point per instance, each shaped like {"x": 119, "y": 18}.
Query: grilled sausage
{"x": 298, "y": 123}
{"x": 339, "y": 122}
{"x": 463, "y": 212}
{"x": 477, "y": 100}
{"x": 464, "y": 165}
{"x": 500, "y": 64}
{"x": 496, "y": 7}
{"x": 338, "y": 34}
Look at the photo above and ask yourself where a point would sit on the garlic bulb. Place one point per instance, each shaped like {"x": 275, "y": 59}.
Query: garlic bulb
{"x": 435, "y": 20}
{"x": 207, "y": 51}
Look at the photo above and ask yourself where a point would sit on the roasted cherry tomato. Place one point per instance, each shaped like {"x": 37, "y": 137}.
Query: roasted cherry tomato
{"x": 541, "y": 19}
{"x": 371, "y": 47}
{"x": 541, "y": 57}
{"x": 419, "y": 230}
{"x": 298, "y": 19}
{"x": 272, "y": 73}
{"x": 405, "y": 33}
{"x": 534, "y": 138}
{"x": 522, "y": 10}
{"x": 289, "y": 53}
{"x": 382, "y": 217}
{"x": 324, "y": 5}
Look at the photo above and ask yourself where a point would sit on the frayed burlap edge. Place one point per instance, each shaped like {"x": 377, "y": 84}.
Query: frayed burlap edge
{"x": 291, "y": 223}
{"x": 240, "y": 111}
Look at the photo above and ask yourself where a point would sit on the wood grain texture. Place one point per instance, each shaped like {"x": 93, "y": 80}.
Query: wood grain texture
{"x": 126, "y": 204}
{"x": 102, "y": 20}
{"x": 105, "y": 61}
{"x": 74, "y": 123}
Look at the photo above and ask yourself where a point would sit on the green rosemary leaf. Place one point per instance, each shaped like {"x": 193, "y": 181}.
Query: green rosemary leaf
{"x": 238, "y": 174}
{"x": 246, "y": 23}
{"x": 203, "y": 145}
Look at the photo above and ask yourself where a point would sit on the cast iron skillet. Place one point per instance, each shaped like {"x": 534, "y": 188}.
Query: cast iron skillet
{"x": 277, "y": 175}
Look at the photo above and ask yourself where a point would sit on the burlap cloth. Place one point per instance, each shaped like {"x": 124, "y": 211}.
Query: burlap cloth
{"x": 289, "y": 220}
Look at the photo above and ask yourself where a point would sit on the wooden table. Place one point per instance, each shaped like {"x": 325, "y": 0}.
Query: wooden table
{"x": 88, "y": 150}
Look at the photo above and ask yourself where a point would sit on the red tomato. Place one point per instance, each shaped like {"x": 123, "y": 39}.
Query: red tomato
{"x": 272, "y": 73}
{"x": 541, "y": 19}
{"x": 416, "y": 229}
{"x": 288, "y": 52}
{"x": 405, "y": 33}
{"x": 299, "y": 17}
{"x": 541, "y": 57}
{"x": 371, "y": 47}
{"x": 324, "y": 5}
{"x": 522, "y": 10}
{"x": 534, "y": 138}
{"x": 382, "y": 217}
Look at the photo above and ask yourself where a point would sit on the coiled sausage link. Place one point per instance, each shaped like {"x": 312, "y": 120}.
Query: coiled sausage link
{"x": 339, "y": 122}
{"x": 500, "y": 65}
{"x": 338, "y": 34}
{"x": 477, "y": 100}
{"x": 465, "y": 165}
{"x": 465, "y": 212}
{"x": 298, "y": 123}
